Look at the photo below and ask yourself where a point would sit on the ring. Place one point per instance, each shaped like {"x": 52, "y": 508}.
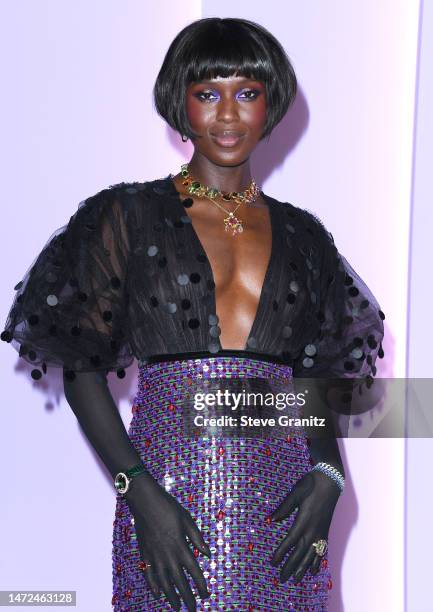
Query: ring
{"x": 321, "y": 547}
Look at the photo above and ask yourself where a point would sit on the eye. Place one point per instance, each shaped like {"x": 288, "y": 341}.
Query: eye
{"x": 255, "y": 93}
{"x": 209, "y": 96}
{"x": 203, "y": 93}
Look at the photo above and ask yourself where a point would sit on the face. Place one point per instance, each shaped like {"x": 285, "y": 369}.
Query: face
{"x": 229, "y": 115}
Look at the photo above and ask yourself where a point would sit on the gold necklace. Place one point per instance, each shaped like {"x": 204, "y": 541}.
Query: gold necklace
{"x": 231, "y": 222}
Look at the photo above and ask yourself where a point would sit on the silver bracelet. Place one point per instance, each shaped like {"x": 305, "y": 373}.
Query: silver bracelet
{"x": 332, "y": 472}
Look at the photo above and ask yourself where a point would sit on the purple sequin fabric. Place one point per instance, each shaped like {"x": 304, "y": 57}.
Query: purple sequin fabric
{"x": 229, "y": 485}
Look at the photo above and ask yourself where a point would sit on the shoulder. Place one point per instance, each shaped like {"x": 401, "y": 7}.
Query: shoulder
{"x": 305, "y": 223}
{"x": 118, "y": 192}
{"x": 122, "y": 198}
{"x": 150, "y": 188}
{"x": 128, "y": 206}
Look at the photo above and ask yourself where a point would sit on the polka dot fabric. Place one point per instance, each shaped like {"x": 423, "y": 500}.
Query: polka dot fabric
{"x": 128, "y": 277}
{"x": 230, "y": 486}
{"x": 70, "y": 309}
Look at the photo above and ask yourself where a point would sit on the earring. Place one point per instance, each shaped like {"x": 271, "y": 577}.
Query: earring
{"x": 184, "y": 138}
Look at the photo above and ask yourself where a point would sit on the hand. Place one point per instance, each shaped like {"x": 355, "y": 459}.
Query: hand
{"x": 161, "y": 524}
{"x": 316, "y": 495}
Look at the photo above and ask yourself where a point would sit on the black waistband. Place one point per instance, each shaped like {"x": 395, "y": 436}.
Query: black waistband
{"x": 222, "y": 353}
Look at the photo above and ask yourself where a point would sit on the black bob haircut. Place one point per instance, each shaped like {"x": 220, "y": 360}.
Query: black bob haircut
{"x": 212, "y": 47}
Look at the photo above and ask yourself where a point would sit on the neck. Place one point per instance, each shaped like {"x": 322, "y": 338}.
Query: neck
{"x": 225, "y": 178}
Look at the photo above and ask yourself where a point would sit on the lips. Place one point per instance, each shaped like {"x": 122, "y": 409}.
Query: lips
{"x": 222, "y": 133}
{"x": 227, "y": 138}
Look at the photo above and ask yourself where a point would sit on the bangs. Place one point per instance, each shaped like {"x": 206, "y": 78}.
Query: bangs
{"x": 224, "y": 53}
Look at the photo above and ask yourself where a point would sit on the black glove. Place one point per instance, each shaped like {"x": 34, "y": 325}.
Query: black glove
{"x": 161, "y": 522}
{"x": 315, "y": 495}
{"x": 162, "y": 525}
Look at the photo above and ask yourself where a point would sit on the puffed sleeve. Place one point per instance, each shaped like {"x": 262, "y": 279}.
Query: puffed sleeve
{"x": 71, "y": 307}
{"x": 343, "y": 346}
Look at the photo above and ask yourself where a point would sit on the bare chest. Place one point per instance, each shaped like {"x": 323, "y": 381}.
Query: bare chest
{"x": 239, "y": 264}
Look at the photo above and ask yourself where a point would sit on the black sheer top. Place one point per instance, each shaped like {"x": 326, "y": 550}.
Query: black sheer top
{"x": 128, "y": 278}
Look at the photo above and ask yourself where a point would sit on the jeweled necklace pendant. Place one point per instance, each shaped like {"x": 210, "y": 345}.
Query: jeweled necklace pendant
{"x": 231, "y": 222}
{"x": 234, "y": 224}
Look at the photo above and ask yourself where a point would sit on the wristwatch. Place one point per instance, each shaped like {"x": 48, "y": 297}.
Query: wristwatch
{"x": 122, "y": 480}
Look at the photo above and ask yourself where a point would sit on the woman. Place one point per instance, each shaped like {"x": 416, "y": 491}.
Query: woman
{"x": 204, "y": 278}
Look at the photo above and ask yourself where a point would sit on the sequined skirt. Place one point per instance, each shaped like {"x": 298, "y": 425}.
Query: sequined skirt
{"x": 228, "y": 484}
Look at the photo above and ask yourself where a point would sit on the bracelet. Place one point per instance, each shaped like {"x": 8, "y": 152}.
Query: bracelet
{"x": 122, "y": 480}
{"x": 332, "y": 472}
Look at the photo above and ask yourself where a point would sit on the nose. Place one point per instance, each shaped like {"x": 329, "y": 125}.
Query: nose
{"x": 227, "y": 109}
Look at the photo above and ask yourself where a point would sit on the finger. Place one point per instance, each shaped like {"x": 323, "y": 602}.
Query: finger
{"x": 183, "y": 587}
{"x": 293, "y": 561}
{"x": 195, "y": 535}
{"x": 285, "y": 509}
{"x": 149, "y": 571}
{"x": 315, "y": 566}
{"x": 164, "y": 579}
{"x": 295, "y": 532}
{"x": 309, "y": 557}
{"x": 152, "y": 581}
{"x": 196, "y": 572}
